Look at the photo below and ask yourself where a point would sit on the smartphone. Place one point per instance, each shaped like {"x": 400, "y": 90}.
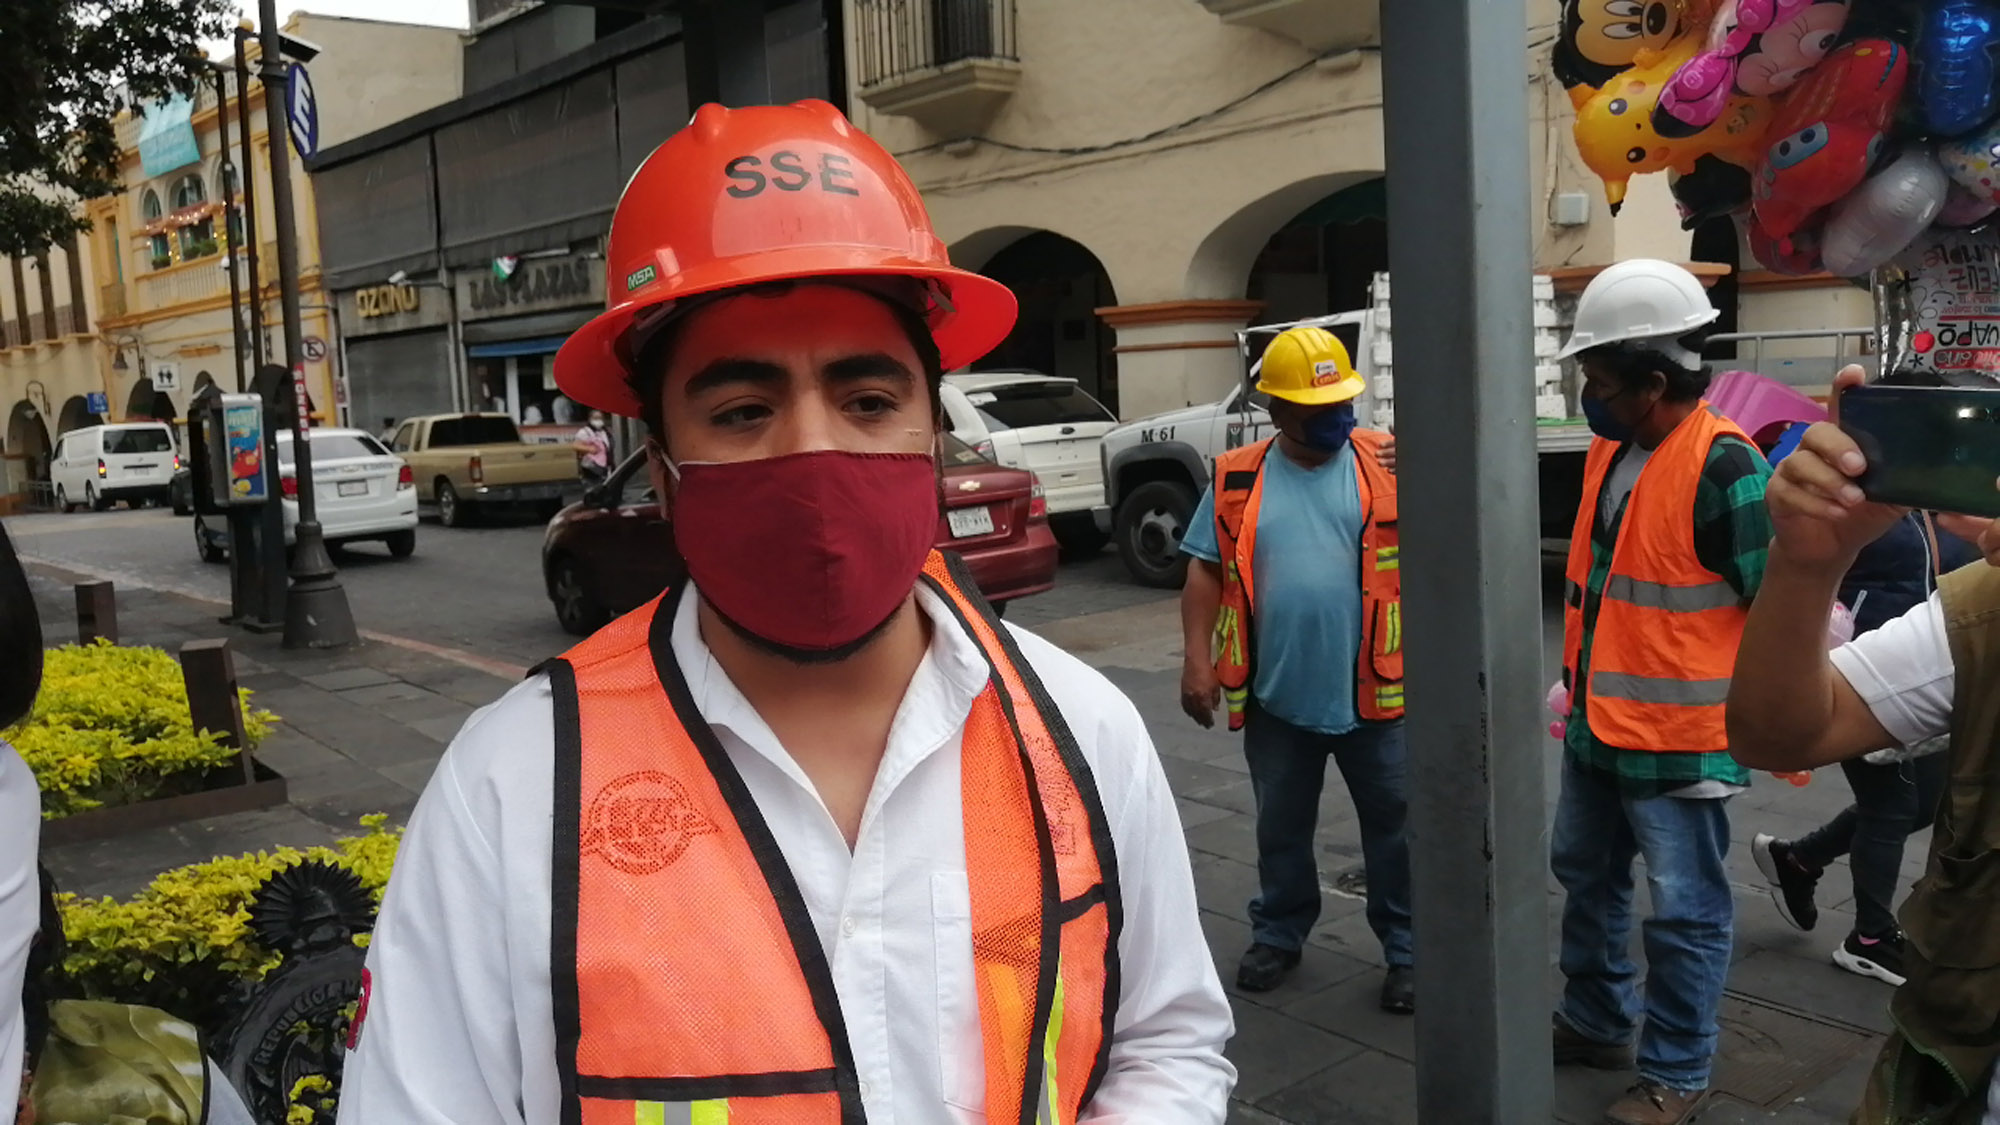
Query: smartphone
{"x": 1936, "y": 448}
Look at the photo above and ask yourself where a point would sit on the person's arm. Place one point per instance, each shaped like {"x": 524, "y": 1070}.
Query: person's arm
{"x": 1732, "y": 534}
{"x": 438, "y": 1044}
{"x": 1789, "y": 708}
{"x": 20, "y": 908}
{"x": 1167, "y": 1065}
{"x": 1201, "y": 606}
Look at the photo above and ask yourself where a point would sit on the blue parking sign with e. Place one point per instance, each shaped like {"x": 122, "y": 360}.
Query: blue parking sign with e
{"x": 97, "y": 403}
{"x": 302, "y": 111}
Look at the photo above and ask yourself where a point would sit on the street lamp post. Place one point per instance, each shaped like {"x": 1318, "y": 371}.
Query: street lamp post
{"x": 316, "y": 612}
{"x": 231, "y": 226}
{"x": 249, "y": 179}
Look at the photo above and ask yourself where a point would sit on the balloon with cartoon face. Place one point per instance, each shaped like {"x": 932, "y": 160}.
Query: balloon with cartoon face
{"x": 1973, "y": 162}
{"x": 1756, "y": 48}
{"x": 1596, "y": 39}
{"x": 1615, "y": 134}
{"x": 1828, "y": 132}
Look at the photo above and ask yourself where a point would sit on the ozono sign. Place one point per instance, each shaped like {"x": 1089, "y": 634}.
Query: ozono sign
{"x": 785, "y": 170}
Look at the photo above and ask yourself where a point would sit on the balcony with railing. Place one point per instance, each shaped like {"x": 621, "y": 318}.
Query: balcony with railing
{"x": 948, "y": 64}
{"x": 201, "y": 279}
{"x": 1319, "y": 25}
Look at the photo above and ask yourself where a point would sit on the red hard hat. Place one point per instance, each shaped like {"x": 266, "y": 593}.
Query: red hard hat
{"x": 769, "y": 193}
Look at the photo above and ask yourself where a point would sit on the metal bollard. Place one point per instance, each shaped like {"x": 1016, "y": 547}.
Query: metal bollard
{"x": 96, "y": 612}
{"x": 213, "y": 700}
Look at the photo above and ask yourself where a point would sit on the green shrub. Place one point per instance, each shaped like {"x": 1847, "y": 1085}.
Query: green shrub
{"x": 111, "y": 727}
{"x": 184, "y": 942}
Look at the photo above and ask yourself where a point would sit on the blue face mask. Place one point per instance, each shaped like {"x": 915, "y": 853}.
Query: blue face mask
{"x": 1327, "y": 431}
{"x": 1597, "y": 412}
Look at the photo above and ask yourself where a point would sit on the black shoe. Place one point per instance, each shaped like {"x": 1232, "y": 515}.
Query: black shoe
{"x": 1573, "y": 1048}
{"x": 1881, "y": 958}
{"x": 1265, "y": 967}
{"x": 1399, "y": 990}
{"x": 1792, "y": 882}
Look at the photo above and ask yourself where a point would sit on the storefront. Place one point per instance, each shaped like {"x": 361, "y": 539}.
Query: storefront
{"x": 514, "y": 317}
{"x": 399, "y": 351}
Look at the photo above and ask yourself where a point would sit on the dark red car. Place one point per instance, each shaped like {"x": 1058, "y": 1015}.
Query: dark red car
{"x": 614, "y": 550}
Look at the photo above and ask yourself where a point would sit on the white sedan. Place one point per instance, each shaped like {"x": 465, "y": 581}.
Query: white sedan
{"x": 364, "y": 492}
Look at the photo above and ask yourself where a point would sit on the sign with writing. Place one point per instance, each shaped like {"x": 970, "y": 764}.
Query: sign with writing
{"x": 302, "y": 111}
{"x": 243, "y": 449}
{"x": 387, "y": 300}
{"x": 1938, "y": 312}
{"x": 98, "y": 403}
{"x": 556, "y": 283}
{"x": 299, "y": 392}
{"x": 313, "y": 348}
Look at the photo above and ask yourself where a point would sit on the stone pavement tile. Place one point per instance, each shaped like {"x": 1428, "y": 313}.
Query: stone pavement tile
{"x": 1272, "y": 1051}
{"x": 1234, "y": 837}
{"x": 1318, "y": 969}
{"x": 1729, "y": 1111}
{"x": 1223, "y": 885}
{"x": 442, "y": 729}
{"x": 414, "y": 776}
{"x": 344, "y": 679}
{"x": 1235, "y": 795}
{"x": 1813, "y": 985}
{"x": 1241, "y": 1113}
{"x": 366, "y": 795}
{"x": 424, "y": 707}
{"x": 1367, "y": 1088}
{"x": 475, "y": 689}
{"x": 1352, "y": 1009}
{"x": 289, "y": 751}
{"x": 378, "y": 694}
{"x": 1836, "y": 1096}
{"x": 1192, "y": 779}
{"x": 1196, "y": 813}
{"x": 1582, "y": 1094}
{"x": 122, "y": 865}
{"x": 1232, "y": 760}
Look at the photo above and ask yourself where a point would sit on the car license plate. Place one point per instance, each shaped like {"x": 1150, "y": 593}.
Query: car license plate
{"x": 968, "y": 522}
{"x": 354, "y": 488}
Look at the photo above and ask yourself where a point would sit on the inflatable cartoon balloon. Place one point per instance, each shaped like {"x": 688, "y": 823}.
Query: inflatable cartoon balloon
{"x": 1974, "y": 161}
{"x": 1756, "y": 48}
{"x": 1615, "y": 134}
{"x": 1966, "y": 208}
{"x": 1828, "y": 132}
{"x": 1714, "y": 188}
{"x": 1956, "y": 45}
{"x": 1885, "y": 214}
{"x": 1596, "y": 39}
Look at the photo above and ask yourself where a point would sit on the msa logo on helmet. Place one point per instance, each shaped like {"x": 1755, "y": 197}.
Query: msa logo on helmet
{"x": 1325, "y": 373}
{"x": 788, "y": 172}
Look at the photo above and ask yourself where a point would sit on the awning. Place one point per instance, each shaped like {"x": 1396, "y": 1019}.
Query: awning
{"x": 540, "y": 345}
{"x": 1360, "y": 203}
{"x": 166, "y": 137}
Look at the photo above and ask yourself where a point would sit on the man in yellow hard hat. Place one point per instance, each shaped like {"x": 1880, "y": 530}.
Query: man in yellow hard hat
{"x": 1293, "y": 613}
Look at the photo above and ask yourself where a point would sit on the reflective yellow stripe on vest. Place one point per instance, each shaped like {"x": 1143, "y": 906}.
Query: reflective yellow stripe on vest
{"x": 1392, "y": 629}
{"x": 1654, "y": 689}
{"x": 1051, "y": 1112}
{"x": 1673, "y": 599}
{"x": 1389, "y": 695}
{"x": 1388, "y": 558}
{"x": 714, "y": 1112}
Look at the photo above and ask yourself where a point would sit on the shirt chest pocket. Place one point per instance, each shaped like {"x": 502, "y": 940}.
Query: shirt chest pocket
{"x": 961, "y": 1055}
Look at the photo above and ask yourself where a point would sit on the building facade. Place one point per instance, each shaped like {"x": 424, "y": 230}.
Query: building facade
{"x": 1152, "y": 175}
{"x": 55, "y": 371}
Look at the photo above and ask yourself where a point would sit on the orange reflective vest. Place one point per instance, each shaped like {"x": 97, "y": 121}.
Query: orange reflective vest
{"x": 1239, "y": 495}
{"x": 689, "y": 983}
{"x": 1664, "y": 643}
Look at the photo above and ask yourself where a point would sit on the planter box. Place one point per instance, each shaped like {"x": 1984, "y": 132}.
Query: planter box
{"x": 228, "y": 792}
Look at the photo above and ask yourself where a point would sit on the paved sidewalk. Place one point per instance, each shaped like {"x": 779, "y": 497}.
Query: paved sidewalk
{"x": 363, "y": 729}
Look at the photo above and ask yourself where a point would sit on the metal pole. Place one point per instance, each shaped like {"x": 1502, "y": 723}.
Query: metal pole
{"x": 316, "y": 611}
{"x": 1456, "y": 126}
{"x": 461, "y": 392}
{"x": 231, "y": 220}
{"x": 249, "y": 177}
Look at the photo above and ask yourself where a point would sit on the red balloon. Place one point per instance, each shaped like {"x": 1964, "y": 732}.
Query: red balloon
{"x": 1828, "y": 132}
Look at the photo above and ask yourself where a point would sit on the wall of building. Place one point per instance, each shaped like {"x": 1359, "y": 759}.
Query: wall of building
{"x": 373, "y": 73}
{"x": 50, "y": 363}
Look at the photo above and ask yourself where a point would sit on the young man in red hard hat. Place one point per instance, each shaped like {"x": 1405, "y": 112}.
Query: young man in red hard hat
{"x": 813, "y": 838}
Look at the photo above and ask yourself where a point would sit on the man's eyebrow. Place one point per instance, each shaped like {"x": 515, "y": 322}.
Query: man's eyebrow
{"x": 735, "y": 371}
{"x": 869, "y": 365}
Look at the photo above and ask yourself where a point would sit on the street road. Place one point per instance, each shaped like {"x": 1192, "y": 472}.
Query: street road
{"x": 474, "y": 589}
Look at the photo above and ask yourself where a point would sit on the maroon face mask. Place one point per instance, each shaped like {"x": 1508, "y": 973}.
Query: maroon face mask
{"x": 809, "y": 551}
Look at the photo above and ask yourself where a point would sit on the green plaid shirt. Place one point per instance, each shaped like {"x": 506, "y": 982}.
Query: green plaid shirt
{"x": 1732, "y": 537}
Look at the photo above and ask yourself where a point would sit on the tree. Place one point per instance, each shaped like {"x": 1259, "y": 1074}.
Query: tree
{"x": 66, "y": 68}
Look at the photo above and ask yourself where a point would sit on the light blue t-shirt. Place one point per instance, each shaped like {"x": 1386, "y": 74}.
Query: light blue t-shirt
{"x": 1307, "y": 618}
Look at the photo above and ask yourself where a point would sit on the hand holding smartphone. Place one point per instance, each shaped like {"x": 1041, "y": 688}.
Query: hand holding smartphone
{"x": 1936, "y": 448}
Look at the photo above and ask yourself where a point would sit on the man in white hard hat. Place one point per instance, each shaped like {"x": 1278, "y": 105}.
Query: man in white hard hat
{"x": 1668, "y": 550}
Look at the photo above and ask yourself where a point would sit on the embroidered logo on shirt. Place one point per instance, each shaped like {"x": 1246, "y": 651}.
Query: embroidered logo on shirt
{"x": 642, "y": 823}
{"x": 360, "y": 1010}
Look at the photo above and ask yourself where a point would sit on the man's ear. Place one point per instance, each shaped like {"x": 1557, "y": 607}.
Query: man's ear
{"x": 663, "y": 480}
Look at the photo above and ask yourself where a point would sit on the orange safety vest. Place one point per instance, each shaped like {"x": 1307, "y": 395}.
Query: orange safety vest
{"x": 689, "y": 984}
{"x": 1239, "y": 495}
{"x": 1664, "y": 645}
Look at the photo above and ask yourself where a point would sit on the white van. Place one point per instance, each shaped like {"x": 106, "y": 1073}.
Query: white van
{"x": 1045, "y": 424}
{"x": 98, "y": 466}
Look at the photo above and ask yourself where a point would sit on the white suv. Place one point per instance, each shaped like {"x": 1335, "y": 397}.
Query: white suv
{"x": 363, "y": 492}
{"x": 1047, "y": 425}
{"x": 97, "y": 466}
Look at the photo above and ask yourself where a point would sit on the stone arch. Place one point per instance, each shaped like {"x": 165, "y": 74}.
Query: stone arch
{"x": 1220, "y": 267}
{"x": 202, "y": 381}
{"x": 1061, "y": 283}
{"x": 28, "y": 446}
{"x": 76, "y": 415}
{"x": 139, "y": 404}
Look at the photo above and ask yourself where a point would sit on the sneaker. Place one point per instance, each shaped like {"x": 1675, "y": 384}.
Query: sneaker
{"x": 1792, "y": 882}
{"x": 1265, "y": 967}
{"x": 1573, "y": 1048}
{"x": 1881, "y": 958}
{"x": 1399, "y": 990}
{"x": 1649, "y": 1103}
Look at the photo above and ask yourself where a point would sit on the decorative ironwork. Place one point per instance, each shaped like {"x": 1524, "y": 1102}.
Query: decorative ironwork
{"x": 901, "y": 37}
{"x": 293, "y": 1026}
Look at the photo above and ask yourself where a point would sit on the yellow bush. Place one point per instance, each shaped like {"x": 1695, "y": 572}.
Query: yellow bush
{"x": 184, "y": 942}
{"x": 111, "y": 727}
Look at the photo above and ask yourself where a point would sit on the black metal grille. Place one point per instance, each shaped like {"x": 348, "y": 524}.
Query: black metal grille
{"x": 899, "y": 37}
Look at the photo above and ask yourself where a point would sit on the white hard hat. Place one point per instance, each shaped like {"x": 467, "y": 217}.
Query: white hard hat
{"x": 1643, "y": 299}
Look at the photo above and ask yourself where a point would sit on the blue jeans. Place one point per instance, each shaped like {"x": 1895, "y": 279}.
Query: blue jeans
{"x": 1287, "y": 771}
{"x": 1598, "y": 832}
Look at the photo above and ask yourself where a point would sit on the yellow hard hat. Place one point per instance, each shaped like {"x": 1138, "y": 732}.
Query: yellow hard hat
{"x": 1309, "y": 366}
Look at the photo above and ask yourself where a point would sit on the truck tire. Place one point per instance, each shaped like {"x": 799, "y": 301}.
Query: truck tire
{"x": 451, "y": 510}
{"x": 1148, "y": 531}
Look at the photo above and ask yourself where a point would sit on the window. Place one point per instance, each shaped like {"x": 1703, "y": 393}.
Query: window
{"x": 330, "y": 447}
{"x": 473, "y": 429}
{"x": 198, "y": 240}
{"x": 404, "y": 437}
{"x": 163, "y": 252}
{"x": 1037, "y": 404}
{"x": 957, "y": 454}
{"x": 149, "y": 208}
{"x": 188, "y": 191}
{"x": 233, "y": 191}
{"x": 142, "y": 439}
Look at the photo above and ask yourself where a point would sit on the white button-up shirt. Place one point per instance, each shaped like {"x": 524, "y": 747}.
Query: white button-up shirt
{"x": 460, "y": 1026}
